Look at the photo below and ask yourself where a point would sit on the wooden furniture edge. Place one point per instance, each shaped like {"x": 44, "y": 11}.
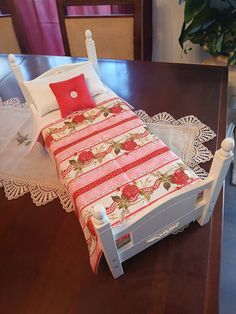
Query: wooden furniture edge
{"x": 11, "y": 7}
{"x": 216, "y": 223}
{"x": 142, "y": 23}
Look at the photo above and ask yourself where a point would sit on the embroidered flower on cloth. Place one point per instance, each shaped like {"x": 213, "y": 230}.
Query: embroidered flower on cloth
{"x": 130, "y": 191}
{"x": 81, "y": 119}
{"x": 142, "y": 190}
{"x": 129, "y": 194}
{"x": 23, "y": 139}
{"x": 179, "y": 177}
{"x": 129, "y": 145}
{"x": 88, "y": 156}
{"x": 116, "y": 109}
{"x": 78, "y": 118}
{"x": 85, "y": 156}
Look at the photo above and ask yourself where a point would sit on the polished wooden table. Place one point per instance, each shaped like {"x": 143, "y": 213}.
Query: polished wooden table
{"x": 44, "y": 266}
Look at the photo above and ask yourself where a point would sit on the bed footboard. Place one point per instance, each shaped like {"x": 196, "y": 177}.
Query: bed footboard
{"x": 163, "y": 218}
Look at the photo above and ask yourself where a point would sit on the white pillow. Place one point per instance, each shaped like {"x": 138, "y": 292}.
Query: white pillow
{"x": 43, "y": 97}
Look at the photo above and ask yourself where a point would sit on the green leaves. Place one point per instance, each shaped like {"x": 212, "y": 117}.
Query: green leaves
{"x": 210, "y": 25}
{"x": 147, "y": 195}
{"x": 76, "y": 165}
{"x": 116, "y": 199}
{"x": 122, "y": 201}
{"x": 71, "y": 125}
{"x": 167, "y": 185}
{"x": 116, "y": 146}
{"x": 219, "y": 43}
{"x": 193, "y": 8}
{"x": 99, "y": 159}
{"x": 232, "y": 58}
{"x": 105, "y": 111}
{"x": 52, "y": 130}
{"x": 117, "y": 150}
{"x": 202, "y": 21}
{"x": 183, "y": 36}
{"x": 199, "y": 24}
{"x": 73, "y": 162}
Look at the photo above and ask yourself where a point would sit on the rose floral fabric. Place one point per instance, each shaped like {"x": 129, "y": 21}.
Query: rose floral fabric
{"x": 107, "y": 156}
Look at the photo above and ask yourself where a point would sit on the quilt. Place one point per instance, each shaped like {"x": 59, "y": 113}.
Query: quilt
{"x": 106, "y": 155}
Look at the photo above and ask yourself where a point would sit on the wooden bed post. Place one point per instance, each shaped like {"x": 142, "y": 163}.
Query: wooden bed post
{"x": 104, "y": 233}
{"x": 91, "y": 49}
{"x": 16, "y": 69}
{"x": 220, "y": 165}
{"x": 19, "y": 77}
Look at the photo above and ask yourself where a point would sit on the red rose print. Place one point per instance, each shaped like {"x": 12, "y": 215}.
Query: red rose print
{"x": 49, "y": 139}
{"x": 78, "y": 118}
{"x": 91, "y": 227}
{"x": 85, "y": 156}
{"x": 130, "y": 191}
{"x": 179, "y": 177}
{"x": 129, "y": 145}
{"x": 116, "y": 109}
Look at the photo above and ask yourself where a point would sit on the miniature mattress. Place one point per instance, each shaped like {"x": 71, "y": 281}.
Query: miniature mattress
{"x": 106, "y": 155}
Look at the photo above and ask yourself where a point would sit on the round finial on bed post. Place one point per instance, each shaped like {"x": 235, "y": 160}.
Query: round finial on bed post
{"x": 16, "y": 69}
{"x": 12, "y": 59}
{"x": 227, "y": 146}
{"x": 91, "y": 49}
{"x": 99, "y": 214}
{"x": 88, "y": 34}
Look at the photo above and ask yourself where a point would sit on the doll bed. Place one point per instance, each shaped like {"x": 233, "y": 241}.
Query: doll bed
{"x": 107, "y": 155}
{"x": 117, "y": 232}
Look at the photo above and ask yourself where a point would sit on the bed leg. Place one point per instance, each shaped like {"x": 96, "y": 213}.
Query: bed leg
{"x": 218, "y": 171}
{"x": 104, "y": 233}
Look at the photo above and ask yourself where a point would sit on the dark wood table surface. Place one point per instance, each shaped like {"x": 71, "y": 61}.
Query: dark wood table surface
{"x": 44, "y": 265}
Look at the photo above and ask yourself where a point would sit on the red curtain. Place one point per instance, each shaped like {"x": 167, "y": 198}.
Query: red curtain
{"x": 100, "y": 9}
{"x": 41, "y": 26}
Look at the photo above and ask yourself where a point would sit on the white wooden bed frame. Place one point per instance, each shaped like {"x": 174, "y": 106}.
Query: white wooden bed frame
{"x": 168, "y": 215}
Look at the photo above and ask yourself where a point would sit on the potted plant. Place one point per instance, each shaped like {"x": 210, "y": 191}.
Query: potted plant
{"x": 212, "y": 25}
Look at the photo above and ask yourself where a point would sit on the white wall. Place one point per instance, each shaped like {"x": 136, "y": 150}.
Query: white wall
{"x": 167, "y": 23}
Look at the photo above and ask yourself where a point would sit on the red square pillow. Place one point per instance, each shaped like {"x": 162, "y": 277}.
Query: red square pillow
{"x": 72, "y": 95}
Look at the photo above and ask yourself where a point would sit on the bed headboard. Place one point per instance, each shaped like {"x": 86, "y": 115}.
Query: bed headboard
{"x": 92, "y": 57}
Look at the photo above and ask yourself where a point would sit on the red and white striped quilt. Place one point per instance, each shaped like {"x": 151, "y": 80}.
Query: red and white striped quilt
{"x": 107, "y": 155}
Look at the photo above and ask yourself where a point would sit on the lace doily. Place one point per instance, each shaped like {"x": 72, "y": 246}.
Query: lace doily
{"x": 201, "y": 133}
{"x": 42, "y": 193}
{"x": 13, "y": 103}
